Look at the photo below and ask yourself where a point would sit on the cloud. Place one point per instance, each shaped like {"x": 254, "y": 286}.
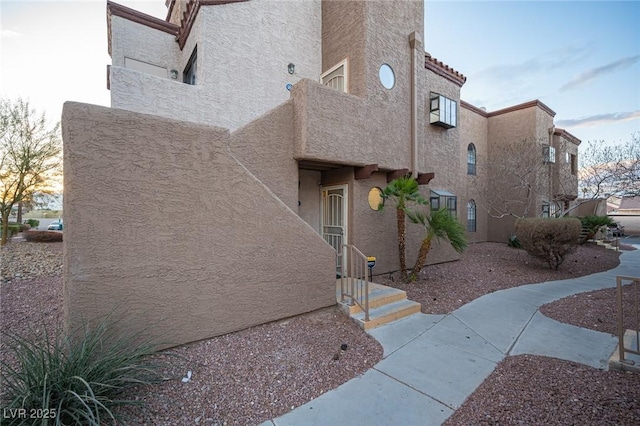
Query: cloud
{"x": 550, "y": 60}
{"x": 10, "y": 34}
{"x": 597, "y": 72}
{"x": 594, "y": 120}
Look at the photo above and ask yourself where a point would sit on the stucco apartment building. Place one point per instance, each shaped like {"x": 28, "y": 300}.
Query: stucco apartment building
{"x": 319, "y": 104}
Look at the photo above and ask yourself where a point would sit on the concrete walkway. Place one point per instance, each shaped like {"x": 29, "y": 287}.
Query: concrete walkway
{"x": 432, "y": 363}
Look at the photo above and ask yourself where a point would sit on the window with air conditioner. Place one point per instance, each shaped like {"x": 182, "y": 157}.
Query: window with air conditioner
{"x": 443, "y": 111}
{"x": 548, "y": 154}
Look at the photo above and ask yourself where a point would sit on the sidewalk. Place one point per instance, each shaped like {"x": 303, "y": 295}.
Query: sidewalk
{"x": 432, "y": 363}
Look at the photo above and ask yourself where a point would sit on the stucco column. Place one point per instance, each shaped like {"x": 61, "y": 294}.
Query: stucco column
{"x": 414, "y": 43}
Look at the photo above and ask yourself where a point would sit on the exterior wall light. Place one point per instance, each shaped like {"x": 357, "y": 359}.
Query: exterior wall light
{"x": 174, "y": 74}
{"x": 291, "y": 68}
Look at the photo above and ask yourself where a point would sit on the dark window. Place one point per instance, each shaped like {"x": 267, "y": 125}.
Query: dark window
{"x": 471, "y": 216}
{"x": 189, "y": 75}
{"x": 471, "y": 159}
{"x": 549, "y": 209}
{"x": 444, "y": 200}
{"x": 574, "y": 164}
{"x": 444, "y": 111}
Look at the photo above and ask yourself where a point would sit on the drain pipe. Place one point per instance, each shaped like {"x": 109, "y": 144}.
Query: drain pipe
{"x": 551, "y": 167}
{"x": 414, "y": 43}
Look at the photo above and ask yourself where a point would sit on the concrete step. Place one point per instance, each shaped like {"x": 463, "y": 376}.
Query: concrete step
{"x": 386, "y": 314}
{"x": 379, "y": 295}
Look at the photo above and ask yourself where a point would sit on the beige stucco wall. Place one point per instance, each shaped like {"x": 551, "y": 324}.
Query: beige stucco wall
{"x": 265, "y": 148}
{"x": 166, "y": 229}
{"x": 340, "y": 128}
{"x": 132, "y": 40}
{"x": 343, "y": 37}
{"x": 243, "y": 52}
{"x": 530, "y": 124}
{"x": 473, "y": 129}
{"x": 309, "y": 197}
{"x": 565, "y": 182}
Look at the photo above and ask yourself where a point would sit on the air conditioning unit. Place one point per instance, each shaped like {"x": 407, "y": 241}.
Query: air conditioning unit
{"x": 548, "y": 154}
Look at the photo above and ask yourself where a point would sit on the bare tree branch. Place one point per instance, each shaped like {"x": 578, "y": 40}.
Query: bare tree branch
{"x": 29, "y": 155}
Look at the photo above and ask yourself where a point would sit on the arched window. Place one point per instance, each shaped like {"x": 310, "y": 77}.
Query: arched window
{"x": 471, "y": 159}
{"x": 471, "y": 216}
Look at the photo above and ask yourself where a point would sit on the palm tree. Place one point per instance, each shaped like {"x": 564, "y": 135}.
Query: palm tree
{"x": 439, "y": 224}
{"x": 402, "y": 191}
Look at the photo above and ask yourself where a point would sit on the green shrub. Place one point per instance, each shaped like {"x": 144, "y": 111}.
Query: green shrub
{"x": 549, "y": 239}
{"x": 514, "y": 242}
{"x": 77, "y": 380}
{"x": 34, "y": 223}
{"x": 43, "y": 236}
{"x": 592, "y": 223}
{"x": 14, "y": 228}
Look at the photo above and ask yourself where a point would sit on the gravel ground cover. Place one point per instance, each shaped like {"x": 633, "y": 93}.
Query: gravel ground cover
{"x": 488, "y": 267}
{"x": 250, "y": 376}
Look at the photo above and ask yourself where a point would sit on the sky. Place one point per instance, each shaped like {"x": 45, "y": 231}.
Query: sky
{"x": 581, "y": 58}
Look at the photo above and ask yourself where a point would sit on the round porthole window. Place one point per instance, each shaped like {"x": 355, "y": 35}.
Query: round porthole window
{"x": 375, "y": 198}
{"x": 387, "y": 77}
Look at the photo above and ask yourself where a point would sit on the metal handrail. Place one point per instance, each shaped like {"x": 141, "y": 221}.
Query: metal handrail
{"x": 354, "y": 278}
{"x": 635, "y": 283}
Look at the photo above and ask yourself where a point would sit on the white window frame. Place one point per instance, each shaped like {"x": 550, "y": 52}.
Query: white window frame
{"x": 345, "y": 73}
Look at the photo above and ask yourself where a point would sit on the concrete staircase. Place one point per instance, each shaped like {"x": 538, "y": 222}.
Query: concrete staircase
{"x": 609, "y": 245}
{"x": 386, "y": 304}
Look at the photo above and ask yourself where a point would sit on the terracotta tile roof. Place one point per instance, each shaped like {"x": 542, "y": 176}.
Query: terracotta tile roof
{"x": 443, "y": 70}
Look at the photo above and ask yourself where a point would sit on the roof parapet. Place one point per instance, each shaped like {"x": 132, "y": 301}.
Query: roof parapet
{"x": 568, "y": 136}
{"x": 443, "y": 70}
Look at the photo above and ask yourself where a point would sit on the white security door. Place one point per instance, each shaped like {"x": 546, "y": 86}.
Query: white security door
{"x": 334, "y": 218}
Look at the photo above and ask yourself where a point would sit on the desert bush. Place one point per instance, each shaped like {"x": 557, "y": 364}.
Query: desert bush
{"x": 43, "y": 236}
{"x": 592, "y": 223}
{"x": 34, "y": 223}
{"x": 549, "y": 239}
{"x": 75, "y": 380}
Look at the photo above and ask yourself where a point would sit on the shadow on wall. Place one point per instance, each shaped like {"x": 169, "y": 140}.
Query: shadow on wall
{"x": 243, "y": 257}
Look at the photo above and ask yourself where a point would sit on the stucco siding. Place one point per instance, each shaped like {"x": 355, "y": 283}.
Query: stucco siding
{"x": 343, "y": 37}
{"x": 140, "y": 92}
{"x": 339, "y": 128}
{"x": 243, "y": 50}
{"x": 265, "y": 148}
{"x": 167, "y": 230}
{"x": 246, "y": 48}
{"x": 136, "y": 41}
{"x": 309, "y": 197}
{"x": 473, "y": 129}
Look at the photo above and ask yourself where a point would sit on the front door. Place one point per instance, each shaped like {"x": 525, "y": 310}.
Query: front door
{"x": 334, "y": 219}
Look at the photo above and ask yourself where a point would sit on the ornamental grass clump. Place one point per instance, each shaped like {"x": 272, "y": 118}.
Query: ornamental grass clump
{"x": 74, "y": 380}
{"x": 549, "y": 239}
